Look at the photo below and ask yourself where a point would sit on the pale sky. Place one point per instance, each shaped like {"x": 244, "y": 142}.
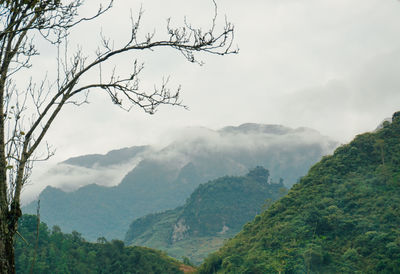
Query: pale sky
{"x": 332, "y": 65}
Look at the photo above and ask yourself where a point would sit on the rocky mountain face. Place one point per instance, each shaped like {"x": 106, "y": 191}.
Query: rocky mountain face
{"x": 152, "y": 180}
{"x": 215, "y": 211}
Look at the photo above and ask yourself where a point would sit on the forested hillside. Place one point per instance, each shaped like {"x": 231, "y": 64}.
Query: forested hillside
{"x": 70, "y": 253}
{"x": 342, "y": 217}
{"x": 215, "y": 211}
{"x": 162, "y": 179}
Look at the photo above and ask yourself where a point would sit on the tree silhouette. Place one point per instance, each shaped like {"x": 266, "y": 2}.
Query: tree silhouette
{"x": 29, "y": 112}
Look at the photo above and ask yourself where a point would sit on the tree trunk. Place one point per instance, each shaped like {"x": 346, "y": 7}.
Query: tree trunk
{"x": 7, "y": 261}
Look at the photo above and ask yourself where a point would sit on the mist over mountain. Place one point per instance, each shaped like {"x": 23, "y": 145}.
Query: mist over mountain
{"x": 76, "y": 172}
{"x": 148, "y": 180}
{"x": 112, "y": 158}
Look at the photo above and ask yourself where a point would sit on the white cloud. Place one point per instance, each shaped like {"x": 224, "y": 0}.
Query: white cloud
{"x": 327, "y": 64}
{"x": 360, "y": 101}
{"x": 69, "y": 177}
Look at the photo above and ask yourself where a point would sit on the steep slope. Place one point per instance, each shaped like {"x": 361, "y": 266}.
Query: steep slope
{"x": 215, "y": 211}
{"x": 70, "y": 253}
{"x": 164, "y": 179}
{"x": 342, "y": 217}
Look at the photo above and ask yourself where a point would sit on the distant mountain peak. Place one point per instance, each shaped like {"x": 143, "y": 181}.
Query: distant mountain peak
{"x": 113, "y": 157}
{"x": 257, "y": 128}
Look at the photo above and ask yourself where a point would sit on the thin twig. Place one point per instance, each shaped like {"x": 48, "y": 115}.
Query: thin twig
{"x": 19, "y": 234}
{"x": 37, "y": 236}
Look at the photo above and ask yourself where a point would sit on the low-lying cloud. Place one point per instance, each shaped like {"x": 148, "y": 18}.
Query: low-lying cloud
{"x": 201, "y": 146}
{"x": 69, "y": 178}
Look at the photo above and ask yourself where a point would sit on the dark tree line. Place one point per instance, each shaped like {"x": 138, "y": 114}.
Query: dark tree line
{"x": 70, "y": 253}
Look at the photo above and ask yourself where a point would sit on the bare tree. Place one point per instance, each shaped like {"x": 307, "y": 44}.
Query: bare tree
{"x": 29, "y": 112}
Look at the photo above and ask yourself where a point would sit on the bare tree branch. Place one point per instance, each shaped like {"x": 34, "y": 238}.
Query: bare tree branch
{"x": 29, "y": 112}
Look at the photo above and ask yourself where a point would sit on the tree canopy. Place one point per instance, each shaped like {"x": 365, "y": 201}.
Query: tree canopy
{"x": 70, "y": 253}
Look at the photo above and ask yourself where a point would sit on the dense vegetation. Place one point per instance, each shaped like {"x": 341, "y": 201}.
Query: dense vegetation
{"x": 165, "y": 178}
{"x": 342, "y": 217}
{"x": 215, "y": 211}
{"x": 70, "y": 253}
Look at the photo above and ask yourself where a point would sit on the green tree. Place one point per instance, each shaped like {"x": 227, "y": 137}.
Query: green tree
{"x": 70, "y": 253}
{"x": 29, "y": 112}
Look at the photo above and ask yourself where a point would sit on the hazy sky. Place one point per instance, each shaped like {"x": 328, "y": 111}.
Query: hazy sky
{"x": 332, "y": 65}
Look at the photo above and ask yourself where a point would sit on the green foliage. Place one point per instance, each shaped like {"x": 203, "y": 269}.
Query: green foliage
{"x": 342, "y": 217}
{"x": 187, "y": 261}
{"x": 70, "y": 253}
{"x": 228, "y": 202}
{"x": 215, "y": 211}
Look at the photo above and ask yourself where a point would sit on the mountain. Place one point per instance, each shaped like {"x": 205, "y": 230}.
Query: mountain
{"x": 161, "y": 179}
{"x": 114, "y": 157}
{"x": 342, "y": 217}
{"x": 215, "y": 211}
{"x": 70, "y": 253}
{"x": 104, "y": 170}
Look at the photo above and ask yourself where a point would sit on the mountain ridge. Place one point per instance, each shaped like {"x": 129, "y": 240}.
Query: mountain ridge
{"x": 163, "y": 179}
{"x": 112, "y": 157}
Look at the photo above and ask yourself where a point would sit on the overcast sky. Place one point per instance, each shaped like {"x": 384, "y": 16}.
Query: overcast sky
{"x": 332, "y": 65}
